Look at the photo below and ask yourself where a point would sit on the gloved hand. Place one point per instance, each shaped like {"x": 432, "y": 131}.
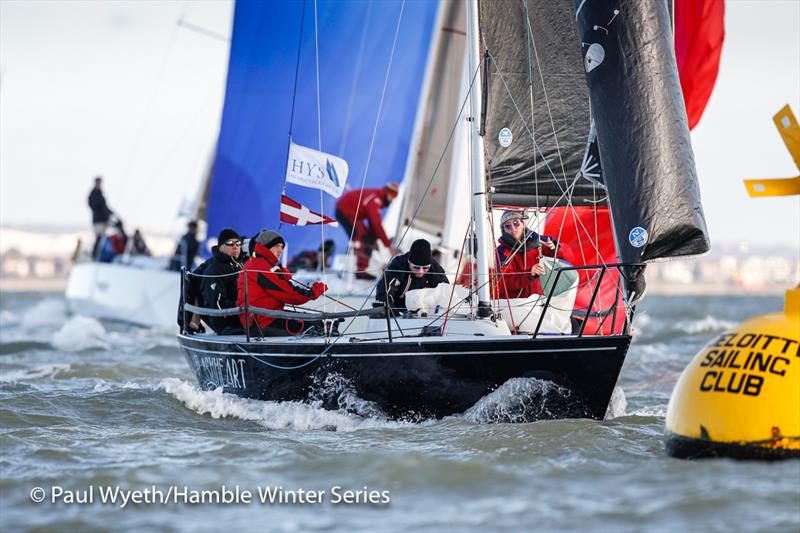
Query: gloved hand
{"x": 318, "y": 288}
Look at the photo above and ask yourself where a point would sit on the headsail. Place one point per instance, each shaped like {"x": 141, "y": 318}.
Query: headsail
{"x": 642, "y": 129}
{"x": 355, "y": 42}
{"x": 536, "y": 90}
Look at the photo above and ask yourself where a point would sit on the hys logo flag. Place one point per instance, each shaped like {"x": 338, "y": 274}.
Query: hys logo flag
{"x": 317, "y": 170}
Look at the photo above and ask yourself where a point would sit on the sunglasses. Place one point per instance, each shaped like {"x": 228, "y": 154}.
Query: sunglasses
{"x": 513, "y": 224}
{"x": 418, "y": 267}
{"x": 232, "y": 243}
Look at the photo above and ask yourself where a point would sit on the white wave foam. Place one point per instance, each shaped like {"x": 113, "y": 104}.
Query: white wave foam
{"x": 104, "y": 386}
{"x": 48, "y": 312}
{"x": 7, "y": 318}
{"x": 43, "y": 371}
{"x": 660, "y": 411}
{"x": 272, "y": 415}
{"x": 80, "y": 333}
{"x": 336, "y": 390}
{"x": 617, "y": 404}
{"x": 709, "y": 324}
{"x": 525, "y": 400}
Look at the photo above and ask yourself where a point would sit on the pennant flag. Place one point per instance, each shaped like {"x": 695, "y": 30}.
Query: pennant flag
{"x": 293, "y": 212}
{"x": 316, "y": 170}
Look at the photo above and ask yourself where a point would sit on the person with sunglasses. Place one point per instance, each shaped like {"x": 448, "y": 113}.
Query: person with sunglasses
{"x": 415, "y": 269}
{"x": 218, "y": 286}
{"x": 518, "y": 255}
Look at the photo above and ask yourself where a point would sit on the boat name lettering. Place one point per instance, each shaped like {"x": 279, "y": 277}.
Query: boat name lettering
{"x": 223, "y": 371}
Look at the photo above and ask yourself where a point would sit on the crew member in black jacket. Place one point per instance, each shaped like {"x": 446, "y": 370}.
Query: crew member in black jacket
{"x": 101, "y": 214}
{"x": 413, "y": 270}
{"x": 187, "y": 249}
{"x": 219, "y": 284}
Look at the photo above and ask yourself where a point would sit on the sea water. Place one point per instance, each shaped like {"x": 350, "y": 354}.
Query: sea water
{"x": 103, "y": 427}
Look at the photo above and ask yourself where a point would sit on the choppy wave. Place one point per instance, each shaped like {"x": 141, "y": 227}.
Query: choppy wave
{"x": 617, "y": 404}
{"x": 707, "y": 324}
{"x": 334, "y": 391}
{"x": 81, "y": 333}
{"x": 50, "y": 312}
{"x": 37, "y": 372}
{"x": 271, "y": 415}
{"x": 526, "y": 400}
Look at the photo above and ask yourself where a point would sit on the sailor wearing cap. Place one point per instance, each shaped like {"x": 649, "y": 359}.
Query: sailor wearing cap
{"x": 518, "y": 255}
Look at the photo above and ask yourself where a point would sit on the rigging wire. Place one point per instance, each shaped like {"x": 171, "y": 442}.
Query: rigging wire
{"x": 375, "y": 127}
{"x": 294, "y": 96}
{"x": 356, "y": 76}
{"x": 319, "y": 147}
{"x": 150, "y": 101}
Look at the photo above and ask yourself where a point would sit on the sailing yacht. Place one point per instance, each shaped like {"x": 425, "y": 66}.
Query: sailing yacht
{"x": 562, "y": 110}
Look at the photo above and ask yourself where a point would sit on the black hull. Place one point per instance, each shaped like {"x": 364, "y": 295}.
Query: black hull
{"x": 412, "y": 379}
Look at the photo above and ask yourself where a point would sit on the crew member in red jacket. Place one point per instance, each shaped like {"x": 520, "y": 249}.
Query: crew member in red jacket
{"x": 359, "y": 206}
{"x": 518, "y": 256}
{"x": 270, "y": 286}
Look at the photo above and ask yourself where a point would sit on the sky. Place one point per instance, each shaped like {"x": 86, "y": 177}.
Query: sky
{"x": 122, "y": 90}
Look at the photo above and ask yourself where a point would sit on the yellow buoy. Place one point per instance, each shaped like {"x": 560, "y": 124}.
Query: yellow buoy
{"x": 740, "y": 396}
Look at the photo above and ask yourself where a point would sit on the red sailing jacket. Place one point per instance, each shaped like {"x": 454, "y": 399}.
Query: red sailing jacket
{"x": 268, "y": 285}
{"x": 372, "y": 201}
{"x": 515, "y": 280}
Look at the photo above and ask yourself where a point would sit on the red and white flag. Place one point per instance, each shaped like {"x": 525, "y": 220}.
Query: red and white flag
{"x": 293, "y": 212}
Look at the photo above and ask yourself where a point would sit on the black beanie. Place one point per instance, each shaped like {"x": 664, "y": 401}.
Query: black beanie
{"x": 420, "y": 253}
{"x": 226, "y": 235}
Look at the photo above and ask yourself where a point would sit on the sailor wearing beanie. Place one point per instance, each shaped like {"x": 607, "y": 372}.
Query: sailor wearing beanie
{"x": 270, "y": 286}
{"x": 413, "y": 270}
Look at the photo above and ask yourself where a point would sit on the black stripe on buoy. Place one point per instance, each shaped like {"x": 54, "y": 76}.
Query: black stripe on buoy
{"x": 688, "y": 448}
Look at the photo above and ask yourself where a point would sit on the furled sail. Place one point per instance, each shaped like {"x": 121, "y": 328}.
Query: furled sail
{"x": 536, "y": 91}
{"x": 642, "y": 129}
{"x": 356, "y": 43}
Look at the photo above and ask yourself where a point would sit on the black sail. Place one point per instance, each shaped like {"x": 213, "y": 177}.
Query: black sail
{"x": 536, "y": 91}
{"x": 642, "y": 129}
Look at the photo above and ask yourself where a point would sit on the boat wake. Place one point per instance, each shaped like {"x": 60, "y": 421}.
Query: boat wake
{"x": 274, "y": 415}
{"x": 520, "y": 400}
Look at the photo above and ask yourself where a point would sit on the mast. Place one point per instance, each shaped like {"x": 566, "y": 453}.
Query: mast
{"x": 477, "y": 162}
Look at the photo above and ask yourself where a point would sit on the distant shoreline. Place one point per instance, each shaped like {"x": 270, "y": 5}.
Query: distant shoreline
{"x": 10, "y": 285}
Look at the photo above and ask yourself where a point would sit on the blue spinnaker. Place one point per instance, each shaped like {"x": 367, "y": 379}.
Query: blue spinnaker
{"x": 355, "y": 44}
